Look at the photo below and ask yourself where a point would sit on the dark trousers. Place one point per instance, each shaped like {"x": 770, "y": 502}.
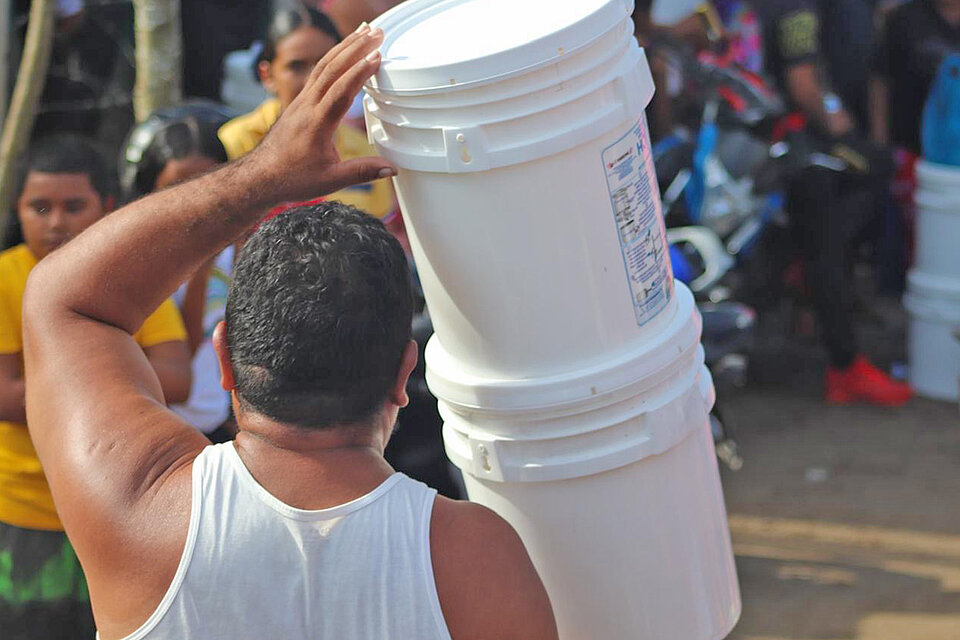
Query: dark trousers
{"x": 829, "y": 213}
{"x": 43, "y": 593}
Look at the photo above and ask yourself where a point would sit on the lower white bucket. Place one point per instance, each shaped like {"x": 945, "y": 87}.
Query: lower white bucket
{"x": 938, "y": 227}
{"x": 938, "y": 220}
{"x": 612, "y": 483}
{"x": 934, "y": 351}
{"x": 933, "y": 348}
{"x": 641, "y": 552}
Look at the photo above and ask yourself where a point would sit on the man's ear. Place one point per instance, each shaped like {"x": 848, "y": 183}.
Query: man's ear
{"x": 266, "y": 78}
{"x": 222, "y": 349}
{"x": 398, "y": 393}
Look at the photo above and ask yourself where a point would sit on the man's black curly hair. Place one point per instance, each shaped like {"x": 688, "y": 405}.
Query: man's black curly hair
{"x": 318, "y": 316}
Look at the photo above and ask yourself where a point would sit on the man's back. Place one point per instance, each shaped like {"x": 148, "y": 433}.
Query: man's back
{"x": 254, "y": 566}
{"x": 316, "y": 352}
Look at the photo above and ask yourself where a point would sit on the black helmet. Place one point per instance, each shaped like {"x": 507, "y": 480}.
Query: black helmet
{"x": 169, "y": 133}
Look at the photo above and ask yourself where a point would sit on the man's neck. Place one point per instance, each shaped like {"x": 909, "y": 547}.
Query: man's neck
{"x": 313, "y": 468}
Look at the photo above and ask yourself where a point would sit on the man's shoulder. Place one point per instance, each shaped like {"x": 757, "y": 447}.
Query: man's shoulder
{"x": 455, "y": 517}
{"x": 483, "y": 572}
{"x": 461, "y": 528}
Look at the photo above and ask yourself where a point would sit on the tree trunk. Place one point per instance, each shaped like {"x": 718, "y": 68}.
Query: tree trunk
{"x": 159, "y": 42}
{"x": 5, "y": 54}
{"x": 31, "y": 78}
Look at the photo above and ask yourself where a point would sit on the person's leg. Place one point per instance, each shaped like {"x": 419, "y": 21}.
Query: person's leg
{"x": 43, "y": 593}
{"x": 823, "y": 217}
{"x": 818, "y": 224}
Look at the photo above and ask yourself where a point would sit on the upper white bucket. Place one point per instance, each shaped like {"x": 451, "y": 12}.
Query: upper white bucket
{"x": 526, "y": 178}
{"x": 566, "y": 362}
{"x": 938, "y": 219}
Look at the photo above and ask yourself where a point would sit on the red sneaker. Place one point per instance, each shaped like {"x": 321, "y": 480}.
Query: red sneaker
{"x": 863, "y": 382}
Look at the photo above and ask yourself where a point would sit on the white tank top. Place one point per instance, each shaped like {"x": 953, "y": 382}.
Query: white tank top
{"x": 255, "y": 568}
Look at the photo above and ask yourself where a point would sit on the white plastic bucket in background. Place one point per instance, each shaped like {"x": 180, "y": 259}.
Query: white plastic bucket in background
{"x": 567, "y": 365}
{"x": 934, "y": 351}
{"x": 938, "y": 219}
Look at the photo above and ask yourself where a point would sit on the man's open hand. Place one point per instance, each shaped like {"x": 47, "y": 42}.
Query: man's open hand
{"x": 297, "y": 160}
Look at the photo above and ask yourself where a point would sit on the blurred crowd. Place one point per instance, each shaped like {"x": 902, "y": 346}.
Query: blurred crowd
{"x": 853, "y": 76}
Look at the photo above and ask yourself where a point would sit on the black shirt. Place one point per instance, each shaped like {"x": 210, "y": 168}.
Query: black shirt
{"x": 791, "y": 35}
{"x": 913, "y": 45}
{"x": 847, "y": 34}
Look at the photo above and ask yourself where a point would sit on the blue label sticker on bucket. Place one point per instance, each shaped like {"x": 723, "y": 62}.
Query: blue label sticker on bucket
{"x": 635, "y": 197}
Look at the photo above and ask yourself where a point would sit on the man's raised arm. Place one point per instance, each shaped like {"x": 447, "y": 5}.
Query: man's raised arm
{"x": 94, "y": 407}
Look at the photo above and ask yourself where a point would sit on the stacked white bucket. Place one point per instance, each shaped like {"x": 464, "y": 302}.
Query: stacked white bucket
{"x": 933, "y": 298}
{"x": 568, "y": 368}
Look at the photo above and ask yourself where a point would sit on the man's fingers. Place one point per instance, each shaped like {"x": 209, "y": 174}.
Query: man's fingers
{"x": 344, "y": 62}
{"x": 357, "y": 171}
{"x": 318, "y": 68}
{"x": 336, "y": 102}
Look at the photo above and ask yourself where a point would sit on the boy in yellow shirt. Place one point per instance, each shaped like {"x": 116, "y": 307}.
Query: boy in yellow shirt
{"x": 64, "y": 190}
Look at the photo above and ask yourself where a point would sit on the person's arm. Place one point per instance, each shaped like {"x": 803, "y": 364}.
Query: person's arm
{"x": 797, "y": 38}
{"x": 887, "y": 57}
{"x": 487, "y": 584}
{"x": 194, "y": 303}
{"x": 12, "y": 408}
{"x": 807, "y": 90}
{"x": 879, "y": 110}
{"x": 117, "y": 460}
{"x": 171, "y": 363}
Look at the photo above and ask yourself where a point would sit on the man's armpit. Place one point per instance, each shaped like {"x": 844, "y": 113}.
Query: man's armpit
{"x": 799, "y": 35}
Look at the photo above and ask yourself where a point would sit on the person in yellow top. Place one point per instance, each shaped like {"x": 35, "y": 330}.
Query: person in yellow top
{"x": 296, "y": 40}
{"x": 64, "y": 190}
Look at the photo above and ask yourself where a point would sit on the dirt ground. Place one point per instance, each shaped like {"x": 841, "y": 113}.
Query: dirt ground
{"x": 845, "y": 521}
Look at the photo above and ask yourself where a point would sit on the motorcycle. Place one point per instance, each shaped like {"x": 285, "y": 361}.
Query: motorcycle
{"x": 720, "y": 198}
{"x": 723, "y": 191}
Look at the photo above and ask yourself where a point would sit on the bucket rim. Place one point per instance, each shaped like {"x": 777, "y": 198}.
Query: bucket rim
{"x": 937, "y": 173}
{"x": 590, "y": 386}
{"x": 932, "y": 310}
{"x": 937, "y": 201}
{"x": 636, "y": 435}
{"x": 397, "y": 79}
{"x": 933, "y": 286}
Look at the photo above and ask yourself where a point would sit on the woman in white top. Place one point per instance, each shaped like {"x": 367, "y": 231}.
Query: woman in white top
{"x": 171, "y": 147}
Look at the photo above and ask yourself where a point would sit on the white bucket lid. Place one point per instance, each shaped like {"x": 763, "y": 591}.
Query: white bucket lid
{"x": 439, "y": 44}
{"x": 932, "y": 309}
{"x": 937, "y": 176}
{"x": 934, "y": 287}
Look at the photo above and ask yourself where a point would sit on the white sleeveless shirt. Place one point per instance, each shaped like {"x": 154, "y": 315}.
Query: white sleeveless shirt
{"x": 256, "y": 568}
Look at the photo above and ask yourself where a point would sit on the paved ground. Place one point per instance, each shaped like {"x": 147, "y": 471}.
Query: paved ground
{"x": 846, "y": 521}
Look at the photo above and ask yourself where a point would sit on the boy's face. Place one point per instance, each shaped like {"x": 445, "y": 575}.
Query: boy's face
{"x": 54, "y": 208}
